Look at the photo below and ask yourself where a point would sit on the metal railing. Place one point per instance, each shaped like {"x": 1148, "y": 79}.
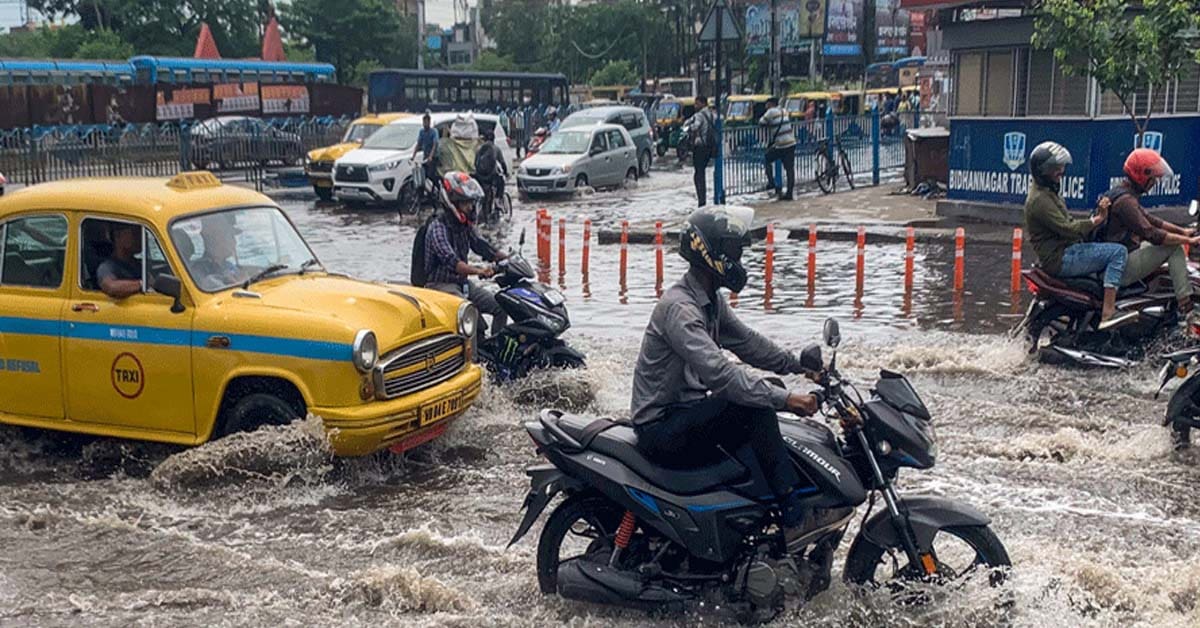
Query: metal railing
{"x": 39, "y": 154}
{"x": 871, "y": 144}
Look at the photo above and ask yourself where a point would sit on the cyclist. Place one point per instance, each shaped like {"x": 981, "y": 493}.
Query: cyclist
{"x": 491, "y": 171}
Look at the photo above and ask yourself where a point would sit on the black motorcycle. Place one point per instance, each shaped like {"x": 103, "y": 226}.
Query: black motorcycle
{"x": 537, "y": 316}
{"x": 634, "y": 533}
{"x": 1183, "y": 409}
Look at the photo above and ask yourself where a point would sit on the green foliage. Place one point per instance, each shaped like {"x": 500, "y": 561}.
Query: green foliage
{"x": 353, "y": 34}
{"x": 808, "y": 85}
{"x": 490, "y": 61}
{"x": 43, "y": 43}
{"x": 1125, "y": 51}
{"x": 615, "y": 73}
{"x": 104, "y": 45}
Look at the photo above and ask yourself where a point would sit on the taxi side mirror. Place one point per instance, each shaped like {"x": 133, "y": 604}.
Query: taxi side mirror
{"x": 170, "y": 286}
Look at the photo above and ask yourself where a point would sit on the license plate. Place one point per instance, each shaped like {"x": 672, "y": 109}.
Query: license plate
{"x": 440, "y": 409}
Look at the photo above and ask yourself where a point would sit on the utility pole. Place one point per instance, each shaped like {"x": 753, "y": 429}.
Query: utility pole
{"x": 420, "y": 34}
{"x": 776, "y": 60}
{"x": 870, "y": 36}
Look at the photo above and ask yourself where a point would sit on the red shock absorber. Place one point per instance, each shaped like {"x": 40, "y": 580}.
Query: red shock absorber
{"x": 624, "y": 535}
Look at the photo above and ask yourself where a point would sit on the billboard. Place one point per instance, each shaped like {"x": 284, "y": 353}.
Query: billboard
{"x": 758, "y": 27}
{"x": 799, "y": 22}
{"x": 841, "y": 28}
{"x": 891, "y": 27}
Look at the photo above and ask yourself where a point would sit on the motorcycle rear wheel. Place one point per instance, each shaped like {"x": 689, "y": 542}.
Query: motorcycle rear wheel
{"x": 865, "y": 557}
{"x": 590, "y": 519}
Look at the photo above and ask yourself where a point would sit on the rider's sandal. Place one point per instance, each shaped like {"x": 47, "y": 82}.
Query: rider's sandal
{"x": 1118, "y": 319}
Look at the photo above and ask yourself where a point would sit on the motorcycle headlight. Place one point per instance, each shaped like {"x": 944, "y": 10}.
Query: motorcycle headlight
{"x": 468, "y": 317}
{"x": 365, "y": 350}
{"x": 931, "y": 434}
{"x": 554, "y": 323}
{"x": 391, "y": 165}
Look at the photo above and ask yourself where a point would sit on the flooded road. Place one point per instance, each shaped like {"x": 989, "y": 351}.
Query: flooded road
{"x": 1101, "y": 519}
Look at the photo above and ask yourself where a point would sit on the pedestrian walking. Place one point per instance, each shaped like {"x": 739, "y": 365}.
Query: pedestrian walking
{"x": 702, "y": 133}
{"x": 781, "y": 147}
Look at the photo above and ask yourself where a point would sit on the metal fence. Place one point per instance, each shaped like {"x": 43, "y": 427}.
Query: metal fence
{"x": 39, "y": 154}
{"x": 872, "y": 145}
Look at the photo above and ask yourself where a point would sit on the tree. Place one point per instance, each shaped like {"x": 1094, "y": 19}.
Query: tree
{"x": 104, "y": 44}
{"x": 490, "y": 61}
{"x": 1125, "y": 51}
{"x": 348, "y": 33}
{"x": 615, "y": 73}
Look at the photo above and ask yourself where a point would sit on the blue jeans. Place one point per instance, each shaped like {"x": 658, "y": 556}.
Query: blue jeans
{"x": 1089, "y": 258}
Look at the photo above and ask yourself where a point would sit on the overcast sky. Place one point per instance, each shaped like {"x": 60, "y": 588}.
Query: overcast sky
{"x": 439, "y": 12}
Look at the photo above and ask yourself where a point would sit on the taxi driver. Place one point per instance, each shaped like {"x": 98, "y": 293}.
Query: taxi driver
{"x": 216, "y": 268}
{"x": 120, "y": 276}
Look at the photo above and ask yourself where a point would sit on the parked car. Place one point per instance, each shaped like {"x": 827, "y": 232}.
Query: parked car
{"x": 580, "y": 156}
{"x": 318, "y": 164}
{"x": 634, "y": 121}
{"x": 233, "y": 141}
{"x": 237, "y": 324}
{"x": 381, "y": 170}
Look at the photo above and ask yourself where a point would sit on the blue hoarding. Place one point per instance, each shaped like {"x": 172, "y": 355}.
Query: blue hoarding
{"x": 989, "y": 157}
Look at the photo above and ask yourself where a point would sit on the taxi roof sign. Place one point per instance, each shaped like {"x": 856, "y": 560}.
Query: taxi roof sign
{"x": 195, "y": 180}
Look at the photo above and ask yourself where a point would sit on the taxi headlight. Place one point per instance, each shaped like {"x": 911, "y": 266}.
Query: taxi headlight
{"x": 365, "y": 350}
{"x": 468, "y": 316}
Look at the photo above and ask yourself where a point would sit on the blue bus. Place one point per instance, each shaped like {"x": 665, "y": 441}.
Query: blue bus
{"x": 440, "y": 90}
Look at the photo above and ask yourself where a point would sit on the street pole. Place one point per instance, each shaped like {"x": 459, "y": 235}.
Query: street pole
{"x": 719, "y": 162}
{"x": 775, "y": 60}
{"x": 420, "y": 34}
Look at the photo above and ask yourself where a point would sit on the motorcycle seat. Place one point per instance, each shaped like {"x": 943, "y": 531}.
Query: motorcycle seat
{"x": 620, "y": 441}
{"x": 1087, "y": 287}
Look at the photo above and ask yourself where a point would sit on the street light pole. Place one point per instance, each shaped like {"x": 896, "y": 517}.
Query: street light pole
{"x": 420, "y": 34}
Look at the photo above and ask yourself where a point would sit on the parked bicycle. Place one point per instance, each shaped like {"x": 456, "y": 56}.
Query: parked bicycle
{"x": 828, "y": 170}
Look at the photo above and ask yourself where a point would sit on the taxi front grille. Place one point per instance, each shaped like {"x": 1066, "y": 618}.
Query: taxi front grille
{"x": 421, "y": 365}
{"x": 321, "y": 166}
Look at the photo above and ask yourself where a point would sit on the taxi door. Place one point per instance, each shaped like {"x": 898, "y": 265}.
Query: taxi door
{"x": 128, "y": 361}
{"x": 33, "y": 291}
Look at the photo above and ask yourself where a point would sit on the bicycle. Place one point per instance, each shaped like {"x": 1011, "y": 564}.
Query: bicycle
{"x": 497, "y": 204}
{"x": 827, "y": 170}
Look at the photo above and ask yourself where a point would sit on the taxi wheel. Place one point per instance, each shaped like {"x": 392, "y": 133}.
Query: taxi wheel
{"x": 323, "y": 194}
{"x": 258, "y": 409}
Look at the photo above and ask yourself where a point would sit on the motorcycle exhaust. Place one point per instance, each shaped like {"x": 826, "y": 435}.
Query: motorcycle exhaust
{"x": 590, "y": 581}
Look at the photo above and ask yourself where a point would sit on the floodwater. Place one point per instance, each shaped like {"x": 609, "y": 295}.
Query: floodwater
{"x": 1100, "y": 517}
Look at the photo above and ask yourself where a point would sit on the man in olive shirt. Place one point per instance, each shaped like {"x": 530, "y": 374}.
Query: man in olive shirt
{"x": 1060, "y": 241}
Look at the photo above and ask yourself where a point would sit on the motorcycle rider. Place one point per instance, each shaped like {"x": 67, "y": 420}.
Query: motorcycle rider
{"x": 449, "y": 239}
{"x": 688, "y": 397}
{"x": 552, "y": 120}
{"x": 490, "y": 169}
{"x": 1060, "y": 241}
{"x": 1149, "y": 239}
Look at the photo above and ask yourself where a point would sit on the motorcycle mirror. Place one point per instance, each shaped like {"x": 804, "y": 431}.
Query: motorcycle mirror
{"x": 833, "y": 337}
{"x": 810, "y": 358}
{"x": 1194, "y": 208}
{"x": 521, "y": 242}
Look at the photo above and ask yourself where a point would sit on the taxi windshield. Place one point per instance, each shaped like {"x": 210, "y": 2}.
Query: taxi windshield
{"x": 230, "y": 248}
{"x": 740, "y": 109}
{"x": 360, "y": 132}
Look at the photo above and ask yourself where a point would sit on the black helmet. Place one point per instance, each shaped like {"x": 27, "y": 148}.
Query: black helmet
{"x": 714, "y": 239}
{"x": 1045, "y": 158}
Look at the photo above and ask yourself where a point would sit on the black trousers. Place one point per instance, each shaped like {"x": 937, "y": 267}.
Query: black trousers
{"x": 788, "y": 157}
{"x": 689, "y": 435}
{"x": 700, "y": 157}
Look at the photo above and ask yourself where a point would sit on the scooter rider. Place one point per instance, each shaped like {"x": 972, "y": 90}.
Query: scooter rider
{"x": 1149, "y": 239}
{"x": 1060, "y": 241}
{"x": 688, "y": 397}
{"x": 449, "y": 239}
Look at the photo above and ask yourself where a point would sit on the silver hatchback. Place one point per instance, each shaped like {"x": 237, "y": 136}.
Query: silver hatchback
{"x": 602, "y": 155}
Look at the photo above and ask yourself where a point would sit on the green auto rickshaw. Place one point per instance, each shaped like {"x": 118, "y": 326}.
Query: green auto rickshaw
{"x": 669, "y": 118}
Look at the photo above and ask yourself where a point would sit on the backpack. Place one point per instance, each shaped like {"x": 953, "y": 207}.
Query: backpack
{"x": 485, "y": 160}
{"x": 417, "y": 275}
{"x": 704, "y": 133}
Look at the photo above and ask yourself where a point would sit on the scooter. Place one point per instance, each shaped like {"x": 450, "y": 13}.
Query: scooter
{"x": 1183, "y": 409}
{"x": 539, "y": 137}
{"x": 1067, "y": 312}
{"x": 636, "y": 534}
{"x": 537, "y": 317}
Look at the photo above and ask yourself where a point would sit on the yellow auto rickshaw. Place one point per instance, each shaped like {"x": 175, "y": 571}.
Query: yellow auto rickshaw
{"x": 669, "y": 117}
{"x": 803, "y": 106}
{"x": 745, "y": 110}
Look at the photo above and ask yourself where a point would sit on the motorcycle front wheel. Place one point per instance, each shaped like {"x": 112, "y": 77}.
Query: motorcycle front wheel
{"x": 580, "y": 526}
{"x": 957, "y": 552}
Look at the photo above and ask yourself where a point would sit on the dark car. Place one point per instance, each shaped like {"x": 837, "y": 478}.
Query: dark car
{"x": 232, "y": 141}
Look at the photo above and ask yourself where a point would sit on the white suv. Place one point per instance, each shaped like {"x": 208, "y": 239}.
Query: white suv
{"x": 382, "y": 170}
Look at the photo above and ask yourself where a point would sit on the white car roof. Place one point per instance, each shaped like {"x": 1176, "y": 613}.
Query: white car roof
{"x": 448, "y": 116}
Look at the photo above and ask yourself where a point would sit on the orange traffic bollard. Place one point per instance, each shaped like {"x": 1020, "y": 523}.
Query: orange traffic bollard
{"x": 769, "y": 262}
{"x": 860, "y": 267}
{"x": 658, "y": 258}
{"x": 1016, "y": 261}
{"x": 812, "y": 258}
{"x": 624, "y": 250}
{"x": 959, "y": 236}
{"x": 909, "y": 238}
{"x": 587, "y": 245}
{"x": 543, "y": 246}
{"x": 562, "y": 247}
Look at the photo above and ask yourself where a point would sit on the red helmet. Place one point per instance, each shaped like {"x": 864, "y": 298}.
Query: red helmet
{"x": 461, "y": 187}
{"x": 1144, "y": 164}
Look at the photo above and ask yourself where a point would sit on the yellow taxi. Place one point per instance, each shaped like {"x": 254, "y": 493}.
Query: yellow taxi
{"x": 180, "y": 310}
{"x": 318, "y": 164}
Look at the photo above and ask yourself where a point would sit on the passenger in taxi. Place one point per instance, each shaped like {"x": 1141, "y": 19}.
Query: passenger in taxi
{"x": 120, "y": 276}
{"x": 216, "y": 269}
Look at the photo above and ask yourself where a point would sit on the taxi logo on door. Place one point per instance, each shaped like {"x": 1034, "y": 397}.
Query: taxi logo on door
{"x": 128, "y": 376}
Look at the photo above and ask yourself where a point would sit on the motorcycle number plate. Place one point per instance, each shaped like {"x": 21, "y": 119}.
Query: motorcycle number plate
{"x": 435, "y": 411}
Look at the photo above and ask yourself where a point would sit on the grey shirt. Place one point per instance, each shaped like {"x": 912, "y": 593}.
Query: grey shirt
{"x": 683, "y": 359}
{"x": 782, "y": 135}
{"x": 113, "y": 268}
